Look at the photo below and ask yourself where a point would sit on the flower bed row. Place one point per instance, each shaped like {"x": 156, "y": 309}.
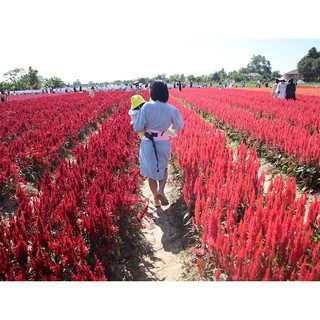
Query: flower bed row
{"x": 245, "y": 234}
{"x": 294, "y": 148}
{"x": 305, "y": 111}
{"x": 71, "y": 228}
{"x": 36, "y": 134}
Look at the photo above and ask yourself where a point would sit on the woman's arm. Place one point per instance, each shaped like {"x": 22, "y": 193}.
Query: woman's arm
{"x": 177, "y": 121}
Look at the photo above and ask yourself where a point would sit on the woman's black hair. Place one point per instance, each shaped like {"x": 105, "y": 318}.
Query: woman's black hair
{"x": 159, "y": 91}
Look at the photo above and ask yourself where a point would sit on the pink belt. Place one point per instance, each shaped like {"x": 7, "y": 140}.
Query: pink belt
{"x": 157, "y": 135}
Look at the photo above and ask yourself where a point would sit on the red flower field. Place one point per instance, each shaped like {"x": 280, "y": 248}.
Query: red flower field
{"x": 79, "y": 156}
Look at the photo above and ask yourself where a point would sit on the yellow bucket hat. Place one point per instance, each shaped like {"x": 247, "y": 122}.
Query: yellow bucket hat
{"x": 136, "y": 100}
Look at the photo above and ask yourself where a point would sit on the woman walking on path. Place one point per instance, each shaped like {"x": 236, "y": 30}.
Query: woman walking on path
{"x": 155, "y": 117}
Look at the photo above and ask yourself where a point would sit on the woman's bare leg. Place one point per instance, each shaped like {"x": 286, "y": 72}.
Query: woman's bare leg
{"x": 153, "y": 184}
{"x": 162, "y": 183}
{"x": 161, "y": 196}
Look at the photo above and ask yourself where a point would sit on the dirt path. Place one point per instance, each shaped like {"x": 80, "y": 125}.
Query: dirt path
{"x": 164, "y": 237}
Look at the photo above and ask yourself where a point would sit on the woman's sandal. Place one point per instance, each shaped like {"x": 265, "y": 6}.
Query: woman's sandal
{"x": 164, "y": 201}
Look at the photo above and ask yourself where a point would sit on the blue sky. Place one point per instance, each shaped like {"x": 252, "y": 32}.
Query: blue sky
{"x": 204, "y": 56}
{"x": 284, "y": 54}
{"x": 105, "y": 41}
{"x": 182, "y": 56}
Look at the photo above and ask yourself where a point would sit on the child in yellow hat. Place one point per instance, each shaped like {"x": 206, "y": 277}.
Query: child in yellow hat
{"x": 137, "y": 103}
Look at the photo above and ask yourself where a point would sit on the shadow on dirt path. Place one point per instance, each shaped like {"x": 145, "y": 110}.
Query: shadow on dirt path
{"x": 164, "y": 237}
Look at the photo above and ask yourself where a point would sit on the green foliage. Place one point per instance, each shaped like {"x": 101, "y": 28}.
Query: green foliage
{"x": 200, "y": 79}
{"x": 33, "y": 79}
{"x": 260, "y": 65}
{"x": 174, "y": 78}
{"x": 15, "y": 79}
{"x": 53, "y": 82}
{"x": 191, "y": 77}
{"x": 309, "y": 66}
{"x": 237, "y": 76}
{"x": 4, "y": 85}
{"x": 218, "y": 76}
{"x": 19, "y": 79}
{"x": 77, "y": 83}
{"x": 275, "y": 75}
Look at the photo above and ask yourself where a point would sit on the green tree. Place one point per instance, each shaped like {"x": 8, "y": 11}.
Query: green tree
{"x": 16, "y": 78}
{"x": 237, "y": 76}
{"x": 313, "y": 53}
{"x": 259, "y": 64}
{"x": 222, "y": 74}
{"x": 174, "y": 78}
{"x": 214, "y": 77}
{"x": 142, "y": 80}
{"x": 201, "y": 79}
{"x": 77, "y": 83}
{"x": 33, "y": 79}
{"x": 309, "y": 65}
{"x": 275, "y": 75}
{"x": 160, "y": 77}
{"x": 53, "y": 82}
{"x": 4, "y": 85}
{"x": 19, "y": 79}
{"x": 191, "y": 77}
{"x": 24, "y": 83}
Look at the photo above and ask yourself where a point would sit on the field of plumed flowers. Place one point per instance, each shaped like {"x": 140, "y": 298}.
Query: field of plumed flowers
{"x": 70, "y": 184}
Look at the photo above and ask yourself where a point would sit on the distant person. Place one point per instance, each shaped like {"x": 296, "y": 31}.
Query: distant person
{"x": 191, "y": 83}
{"x": 243, "y": 84}
{"x": 137, "y": 86}
{"x": 282, "y": 88}
{"x": 291, "y": 90}
{"x": 274, "y": 88}
{"x": 91, "y": 92}
{"x": 179, "y": 86}
{"x": 4, "y": 96}
{"x": 127, "y": 87}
